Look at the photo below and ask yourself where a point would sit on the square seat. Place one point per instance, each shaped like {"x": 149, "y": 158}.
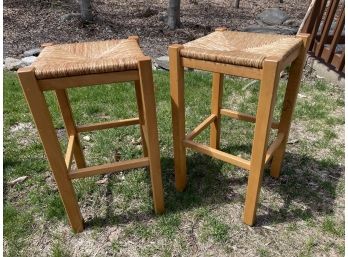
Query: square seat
{"x": 86, "y": 58}
{"x": 240, "y": 48}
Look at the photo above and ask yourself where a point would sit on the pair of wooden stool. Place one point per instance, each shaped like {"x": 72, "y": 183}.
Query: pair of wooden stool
{"x": 256, "y": 56}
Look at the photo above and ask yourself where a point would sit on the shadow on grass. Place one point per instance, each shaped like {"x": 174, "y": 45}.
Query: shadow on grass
{"x": 304, "y": 182}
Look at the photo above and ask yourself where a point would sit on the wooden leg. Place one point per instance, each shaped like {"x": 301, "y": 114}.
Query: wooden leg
{"x": 149, "y": 105}
{"x": 267, "y": 96}
{"x": 178, "y": 115}
{"x": 43, "y": 120}
{"x": 216, "y": 100}
{"x": 288, "y": 107}
{"x": 141, "y": 116}
{"x": 70, "y": 127}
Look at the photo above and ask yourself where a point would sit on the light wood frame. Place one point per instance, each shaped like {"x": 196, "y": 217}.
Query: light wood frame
{"x": 260, "y": 156}
{"x": 61, "y": 166}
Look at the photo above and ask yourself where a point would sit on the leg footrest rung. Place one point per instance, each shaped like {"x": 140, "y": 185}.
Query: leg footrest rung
{"x": 109, "y": 168}
{"x": 201, "y": 127}
{"x": 235, "y": 160}
{"x": 107, "y": 125}
{"x": 274, "y": 146}
{"x": 69, "y": 152}
{"x": 244, "y": 116}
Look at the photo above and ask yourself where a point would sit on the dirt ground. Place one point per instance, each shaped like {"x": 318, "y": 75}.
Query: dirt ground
{"x": 28, "y": 24}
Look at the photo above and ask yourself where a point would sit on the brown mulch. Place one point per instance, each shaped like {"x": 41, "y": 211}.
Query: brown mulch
{"x": 28, "y": 24}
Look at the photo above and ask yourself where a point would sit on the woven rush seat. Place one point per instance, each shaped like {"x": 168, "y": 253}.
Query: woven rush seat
{"x": 86, "y": 58}
{"x": 240, "y": 48}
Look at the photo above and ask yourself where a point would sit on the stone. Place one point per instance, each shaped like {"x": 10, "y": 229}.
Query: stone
{"x": 273, "y": 16}
{"x": 13, "y": 64}
{"x": 271, "y": 30}
{"x": 69, "y": 16}
{"x": 87, "y": 138}
{"x": 292, "y": 23}
{"x": 162, "y": 62}
{"x": 28, "y": 60}
{"x": 21, "y": 127}
{"x": 32, "y": 52}
{"x": 17, "y": 181}
{"x": 163, "y": 16}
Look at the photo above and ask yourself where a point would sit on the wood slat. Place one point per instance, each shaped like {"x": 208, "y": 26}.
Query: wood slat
{"x": 69, "y": 152}
{"x": 109, "y": 168}
{"x": 88, "y": 80}
{"x": 336, "y": 36}
{"x": 274, "y": 146}
{"x": 229, "y": 69}
{"x": 318, "y": 17}
{"x": 338, "y": 61}
{"x": 201, "y": 127}
{"x": 340, "y": 64}
{"x": 311, "y": 19}
{"x": 107, "y": 125}
{"x": 244, "y": 116}
{"x": 327, "y": 24}
{"x": 235, "y": 160}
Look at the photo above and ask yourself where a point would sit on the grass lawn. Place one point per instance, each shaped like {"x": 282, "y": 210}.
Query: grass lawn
{"x": 300, "y": 214}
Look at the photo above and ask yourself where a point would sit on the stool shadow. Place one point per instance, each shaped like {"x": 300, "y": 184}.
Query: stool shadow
{"x": 309, "y": 183}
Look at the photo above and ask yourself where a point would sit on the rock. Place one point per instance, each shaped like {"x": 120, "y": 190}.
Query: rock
{"x": 17, "y": 180}
{"x": 32, "y": 52}
{"x": 28, "y": 60}
{"x": 87, "y": 138}
{"x": 163, "y": 16}
{"x": 269, "y": 228}
{"x": 104, "y": 180}
{"x": 292, "y": 23}
{"x": 69, "y": 16}
{"x": 149, "y": 12}
{"x": 273, "y": 16}
{"x": 162, "y": 62}
{"x": 21, "y": 127}
{"x": 13, "y": 63}
{"x": 115, "y": 235}
{"x": 271, "y": 29}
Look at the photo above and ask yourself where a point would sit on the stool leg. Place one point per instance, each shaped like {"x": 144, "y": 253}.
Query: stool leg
{"x": 178, "y": 115}
{"x": 42, "y": 118}
{"x": 289, "y": 106}
{"x": 267, "y": 96}
{"x": 141, "y": 116}
{"x": 216, "y": 100}
{"x": 149, "y": 105}
{"x": 65, "y": 108}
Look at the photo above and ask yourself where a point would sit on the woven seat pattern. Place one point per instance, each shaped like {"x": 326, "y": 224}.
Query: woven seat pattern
{"x": 240, "y": 48}
{"x": 87, "y": 58}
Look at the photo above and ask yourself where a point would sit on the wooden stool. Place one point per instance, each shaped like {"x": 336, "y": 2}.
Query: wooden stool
{"x": 84, "y": 64}
{"x": 250, "y": 55}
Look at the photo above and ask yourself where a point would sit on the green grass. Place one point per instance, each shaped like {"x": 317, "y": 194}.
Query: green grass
{"x": 216, "y": 229}
{"x": 59, "y": 250}
{"x": 205, "y": 219}
{"x": 17, "y": 226}
{"x": 331, "y": 227}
